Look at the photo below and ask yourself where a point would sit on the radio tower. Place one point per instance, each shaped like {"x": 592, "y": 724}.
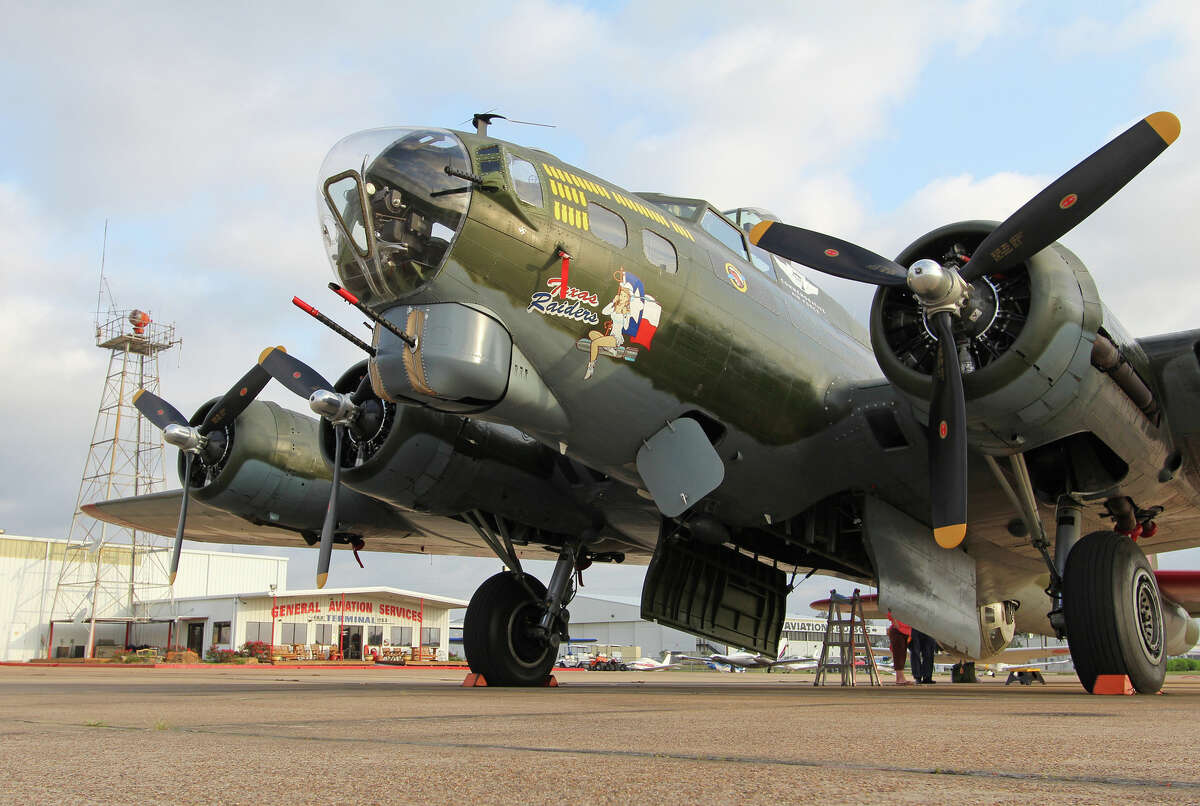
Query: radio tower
{"x": 111, "y": 573}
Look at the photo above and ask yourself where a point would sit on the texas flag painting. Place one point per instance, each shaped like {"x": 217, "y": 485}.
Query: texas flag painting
{"x": 644, "y": 313}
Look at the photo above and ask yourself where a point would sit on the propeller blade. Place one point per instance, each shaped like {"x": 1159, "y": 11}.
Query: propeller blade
{"x": 236, "y": 399}
{"x": 363, "y": 390}
{"x": 947, "y": 440}
{"x": 293, "y": 373}
{"x": 330, "y": 511}
{"x": 157, "y": 410}
{"x": 1074, "y": 196}
{"x": 827, "y": 254}
{"x": 188, "y": 456}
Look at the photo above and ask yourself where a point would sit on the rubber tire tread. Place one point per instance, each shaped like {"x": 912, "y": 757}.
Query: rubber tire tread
{"x": 1096, "y": 608}
{"x": 484, "y": 625}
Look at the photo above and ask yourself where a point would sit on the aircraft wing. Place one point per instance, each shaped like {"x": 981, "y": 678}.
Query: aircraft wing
{"x": 795, "y": 663}
{"x": 1042, "y": 664}
{"x": 406, "y": 532}
{"x": 1013, "y": 655}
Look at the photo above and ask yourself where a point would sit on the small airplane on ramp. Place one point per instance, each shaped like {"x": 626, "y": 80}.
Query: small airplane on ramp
{"x": 652, "y": 665}
{"x": 742, "y": 659}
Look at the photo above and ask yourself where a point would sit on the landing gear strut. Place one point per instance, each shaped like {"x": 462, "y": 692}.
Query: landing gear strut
{"x": 514, "y": 624}
{"x": 1106, "y": 599}
{"x": 501, "y": 632}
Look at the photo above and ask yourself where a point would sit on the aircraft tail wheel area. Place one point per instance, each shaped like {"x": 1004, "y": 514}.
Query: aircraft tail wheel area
{"x": 1113, "y": 612}
{"x": 501, "y": 631}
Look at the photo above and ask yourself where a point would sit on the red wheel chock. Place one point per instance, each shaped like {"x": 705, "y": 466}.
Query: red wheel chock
{"x": 1113, "y": 684}
{"x": 474, "y": 680}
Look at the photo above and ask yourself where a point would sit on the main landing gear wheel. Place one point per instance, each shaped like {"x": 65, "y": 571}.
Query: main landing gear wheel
{"x": 501, "y": 635}
{"x": 1113, "y": 612}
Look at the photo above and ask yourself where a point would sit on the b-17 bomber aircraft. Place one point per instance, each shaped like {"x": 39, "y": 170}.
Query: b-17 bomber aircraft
{"x": 562, "y": 369}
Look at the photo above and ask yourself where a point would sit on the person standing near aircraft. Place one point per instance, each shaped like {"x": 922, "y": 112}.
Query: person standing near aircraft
{"x": 923, "y": 649}
{"x": 899, "y": 634}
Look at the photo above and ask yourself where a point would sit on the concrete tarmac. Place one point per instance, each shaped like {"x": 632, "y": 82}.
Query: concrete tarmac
{"x": 298, "y": 736}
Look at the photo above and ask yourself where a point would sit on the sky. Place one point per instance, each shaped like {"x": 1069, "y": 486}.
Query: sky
{"x": 197, "y": 131}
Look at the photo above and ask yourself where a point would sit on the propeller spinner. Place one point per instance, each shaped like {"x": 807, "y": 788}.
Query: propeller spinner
{"x": 944, "y": 291}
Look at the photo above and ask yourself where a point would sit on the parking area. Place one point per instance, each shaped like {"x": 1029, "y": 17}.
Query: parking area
{"x": 249, "y": 735}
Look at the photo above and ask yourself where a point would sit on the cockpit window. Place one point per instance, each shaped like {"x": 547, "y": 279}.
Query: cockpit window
{"x": 345, "y": 197}
{"x": 526, "y": 182}
{"x": 761, "y": 259}
{"x": 724, "y": 232}
{"x": 747, "y": 217}
{"x": 679, "y": 209}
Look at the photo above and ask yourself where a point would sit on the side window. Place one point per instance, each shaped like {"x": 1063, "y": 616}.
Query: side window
{"x": 761, "y": 259}
{"x": 607, "y": 225}
{"x": 659, "y": 251}
{"x": 526, "y": 182}
{"x": 724, "y": 232}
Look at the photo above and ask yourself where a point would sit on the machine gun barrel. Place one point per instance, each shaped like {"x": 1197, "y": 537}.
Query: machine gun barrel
{"x": 334, "y": 326}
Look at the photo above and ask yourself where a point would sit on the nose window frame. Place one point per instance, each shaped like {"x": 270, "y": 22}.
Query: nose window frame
{"x": 364, "y": 208}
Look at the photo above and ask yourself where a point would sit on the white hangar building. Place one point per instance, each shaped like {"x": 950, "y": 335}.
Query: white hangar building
{"x": 220, "y": 599}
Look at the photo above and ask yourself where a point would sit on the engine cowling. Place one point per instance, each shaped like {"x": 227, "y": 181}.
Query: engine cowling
{"x": 421, "y": 459}
{"x": 1025, "y": 352}
{"x": 268, "y": 468}
{"x": 1180, "y": 630}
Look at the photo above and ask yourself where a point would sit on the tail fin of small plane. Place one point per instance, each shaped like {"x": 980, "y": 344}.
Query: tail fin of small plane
{"x": 783, "y": 649}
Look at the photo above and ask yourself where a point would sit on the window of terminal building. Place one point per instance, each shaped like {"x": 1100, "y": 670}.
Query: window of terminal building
{"x": 293, "y": 633}
{"x": 525, "y": 180}
{"x": 431, "y": 636}
{"x": 324, "y": 634}
{"x": 659, "y": 251}
{"x": 222, "y": 632}
{"x": 607, "y": 225}
{"x": 258, "y": 631}
{"x": 724, "y": 232}
{"x": 401, "y": 636}
{"x": 374, "y": 636}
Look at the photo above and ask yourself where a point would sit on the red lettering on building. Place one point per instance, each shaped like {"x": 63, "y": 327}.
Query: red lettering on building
{"x": 297, "y": 609}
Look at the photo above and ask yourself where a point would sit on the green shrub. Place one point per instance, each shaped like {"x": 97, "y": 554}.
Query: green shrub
{"x": 1183, "y": 665}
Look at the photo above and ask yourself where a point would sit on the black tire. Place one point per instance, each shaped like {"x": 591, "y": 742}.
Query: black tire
{"x": 497, "y": 636}
{"x": 1113, "y": 612}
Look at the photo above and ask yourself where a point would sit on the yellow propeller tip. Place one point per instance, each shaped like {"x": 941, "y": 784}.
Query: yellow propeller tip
{"x": 171, "y": 578}
{"x": 263, "y": 355}
{"x": 1166, "y": 125}
{"x": 759, "y": 230}
{"x": 321, "y": 580}
{"x": 950, "y": 536}
{"x": 138, "y": 394}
